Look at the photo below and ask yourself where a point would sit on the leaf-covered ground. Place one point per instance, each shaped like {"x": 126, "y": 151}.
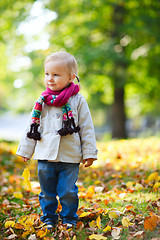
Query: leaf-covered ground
{"x": 119, "y": 195}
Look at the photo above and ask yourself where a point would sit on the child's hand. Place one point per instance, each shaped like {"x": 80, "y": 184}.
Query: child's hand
{"x": 89, "y": 162}
{"x": 25, "y": 159}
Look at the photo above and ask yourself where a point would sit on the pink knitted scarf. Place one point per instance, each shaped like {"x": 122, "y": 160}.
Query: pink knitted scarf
{"x": 63, "y": 95}
{"x": 56, "y": 99}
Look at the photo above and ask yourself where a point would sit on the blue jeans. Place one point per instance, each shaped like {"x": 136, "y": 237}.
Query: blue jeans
{"x": 58, "y": 178}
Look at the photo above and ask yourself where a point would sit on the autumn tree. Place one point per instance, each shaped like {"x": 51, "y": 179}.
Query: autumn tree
{"x": 105, "y": 36}
{"x": 117, "y": 47}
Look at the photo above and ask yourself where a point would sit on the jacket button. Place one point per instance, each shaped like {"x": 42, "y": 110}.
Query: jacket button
{"x": 57, "y": 115}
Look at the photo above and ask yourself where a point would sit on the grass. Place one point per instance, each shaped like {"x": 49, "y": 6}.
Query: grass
{"x": 118, "y": 186}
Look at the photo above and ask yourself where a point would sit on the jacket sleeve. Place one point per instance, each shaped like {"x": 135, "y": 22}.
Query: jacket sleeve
{"x": 87, "y": 134}
{"x": 26, "y": 146}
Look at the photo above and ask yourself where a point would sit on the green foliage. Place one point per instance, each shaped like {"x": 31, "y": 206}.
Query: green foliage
{"x": 116, "y": 44}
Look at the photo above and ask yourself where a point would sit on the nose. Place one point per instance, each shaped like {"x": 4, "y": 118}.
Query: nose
{"x": 51, "y": 77}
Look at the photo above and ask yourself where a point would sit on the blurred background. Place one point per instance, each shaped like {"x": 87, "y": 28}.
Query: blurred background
{"x": 116, "y": 44}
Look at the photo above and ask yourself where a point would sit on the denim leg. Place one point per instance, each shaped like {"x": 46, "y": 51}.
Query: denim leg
{"x": 48, "y": 182}
{"x": 68, "y": 191}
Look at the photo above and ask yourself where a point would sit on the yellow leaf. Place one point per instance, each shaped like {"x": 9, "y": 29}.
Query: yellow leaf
{"x": 129, "y": 184}
{"x": 9, "y": 224}
{"x": 106, "y": 211}
{"x": 98, "y": 222}
{"x": 156, "y": 185}
{"x": 92, "y": 224}
{"x": 153, "y": 177}
{"x": 97, "y": 182}
{"x": 18, "y": 195}
{"x": 42, "y": 233}
{"x": 84, "y": 214}
{"x": 126, "y": 222}
{"x": 97, "y": 237}
{"x": 91, "y": 189}
{"x": 29, "y": 221}
{"x": 22, "y": 220}
{"x": 113, "y": 214}
{"x": 26, "y": 176}
{"x": 139, "y": 186}
{"x": 25, "y": 234}
{"x": 106, "y": 229}
{"x": 74, "y": 237}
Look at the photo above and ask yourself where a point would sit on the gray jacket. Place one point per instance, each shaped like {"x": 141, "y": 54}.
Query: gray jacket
{"x": 52, "y": 147}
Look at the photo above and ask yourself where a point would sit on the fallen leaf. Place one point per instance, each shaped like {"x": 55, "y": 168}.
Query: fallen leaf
{"x": 80, "y": 225}
{"x": 18, "y": 195}
{"x": 9, "y": 224}
{"x": 26, "y": 233}
{"x": 18, "y": 226}
{"x": 156, "y": 185}
{"x": 115, "y": 233}
{"x": 84, "y": 214}
{"x": 106, "y": 201}
{"x": 129, "y": 207}
{"x": 91, "y": 189}
{"x": 22, "y": 219}
{"x": 98, "y": 222}
{"x": 139, "y": 233}
{"x": 5, "y": 202}
{"x": 150, "y": 222}
{"x": 97, "y": 237}
{"x": 42, "y": 233}
{"x": 93, "y": 224}
{"x": 12, "y": 236}
{"x": 139, "y": 186}
{"x": 153, "y": 177}
{"x": 29, "y": 221}
{"x": 99, "y": 189}
{"x": 32, "y": 237}
{"x": 26, "y": 176}
{"x": 126, "y": 222}
{"x": 106, "y": 229}
{"x": 114, "y": 214}
{"x": 129, "y": 184}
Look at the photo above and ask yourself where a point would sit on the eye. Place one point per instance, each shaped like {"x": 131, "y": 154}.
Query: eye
{"x": 46, "y": 74}
{"x": 56, "y": 75}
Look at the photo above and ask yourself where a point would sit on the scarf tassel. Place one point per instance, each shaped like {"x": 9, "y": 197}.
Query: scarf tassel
{"x": 34, "y": 134}
{"x": 69, "y": 127}
{"x": 76, "y": 129}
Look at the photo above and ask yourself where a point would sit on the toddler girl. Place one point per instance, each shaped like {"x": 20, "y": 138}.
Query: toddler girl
{"x": 61, "y": 135}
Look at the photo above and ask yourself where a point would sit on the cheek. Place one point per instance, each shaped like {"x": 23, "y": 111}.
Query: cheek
{"x": 57, "y": 80}
{"x": 46, "y": 80}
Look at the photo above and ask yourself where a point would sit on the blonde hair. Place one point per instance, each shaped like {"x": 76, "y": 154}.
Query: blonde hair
{"x": 67, "y": 58}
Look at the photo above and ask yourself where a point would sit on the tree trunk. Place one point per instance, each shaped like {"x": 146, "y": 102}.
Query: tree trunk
{"x": 119, "y": 76}
{"x": 118, "y": 114}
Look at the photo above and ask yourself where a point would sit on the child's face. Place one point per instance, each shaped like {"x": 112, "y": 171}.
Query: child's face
{"x": 56, "y": 75}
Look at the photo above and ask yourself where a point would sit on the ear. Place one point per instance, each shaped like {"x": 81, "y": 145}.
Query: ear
{"x": 72, "y": 77}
